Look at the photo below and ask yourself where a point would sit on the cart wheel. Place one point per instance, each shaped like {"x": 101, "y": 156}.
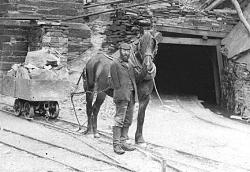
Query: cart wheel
{"x": 54, "y": 110}
{"x": 28, "y": 110}
{"x": 18, "y": 106}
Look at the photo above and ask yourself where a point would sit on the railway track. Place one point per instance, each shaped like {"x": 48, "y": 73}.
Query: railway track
{"x": 39, "y": 156}
{"x": 70, "y": 128}
{"x": 149, "y": 151}
{"x": 100, "y": 156}
{"x": 34, "y": 143}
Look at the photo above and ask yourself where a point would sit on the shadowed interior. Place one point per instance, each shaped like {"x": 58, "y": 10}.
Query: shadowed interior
{"x": 186, "y": 70}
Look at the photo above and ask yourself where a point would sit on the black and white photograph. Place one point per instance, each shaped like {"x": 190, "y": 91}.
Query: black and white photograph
{"x": 124, "y": 85}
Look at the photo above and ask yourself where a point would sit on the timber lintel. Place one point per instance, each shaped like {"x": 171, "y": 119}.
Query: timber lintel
{"x": 191, "y": 41}
{"x": 190, "y": 31}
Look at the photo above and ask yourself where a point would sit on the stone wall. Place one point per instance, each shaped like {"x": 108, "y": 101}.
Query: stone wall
{"x": 55, "y": 36}
{"x": 79, "y": 40}
{"x": 18, "y": 37}
{"x": 236, "y": 88}
{"x": 236, "y": 78}
{"x": 13, "y": 43}
{"x": 44, "y": 8}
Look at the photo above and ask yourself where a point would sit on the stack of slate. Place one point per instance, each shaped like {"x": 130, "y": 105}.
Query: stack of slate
{"x": 236, "y": 89}
{"x": 127, "y": 25}
{"x": 55, "y": 36}
{"x": 175, "y": 14}
{"x": 42, "y": 64}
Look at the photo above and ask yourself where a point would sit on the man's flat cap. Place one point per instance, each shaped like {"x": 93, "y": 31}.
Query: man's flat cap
{"x": 125, "y": 46}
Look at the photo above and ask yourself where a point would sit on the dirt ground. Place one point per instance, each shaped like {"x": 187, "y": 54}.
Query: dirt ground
{"x": 14, "y": 160}
{"x": 183, "y": 124}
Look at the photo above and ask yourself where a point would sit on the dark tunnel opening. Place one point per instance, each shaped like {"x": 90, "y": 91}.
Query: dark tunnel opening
{"x": 186, "y": 70}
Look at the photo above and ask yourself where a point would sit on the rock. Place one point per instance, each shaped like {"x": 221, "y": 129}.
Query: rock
{"x": 78, "y": 30}
{"x": 22, "y": 72}
{"x": 62, "y": 73}
{"x": 43, "y": 74}
{"x": 40, "y": 58}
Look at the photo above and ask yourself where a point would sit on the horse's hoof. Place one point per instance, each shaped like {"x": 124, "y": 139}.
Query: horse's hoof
{"x": 96, "y": 135}
{"x": 142, "y": 144}
{"x": 139, "y": 140}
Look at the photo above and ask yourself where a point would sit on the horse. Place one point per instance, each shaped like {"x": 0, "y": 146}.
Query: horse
{"x": 97, "y": 80}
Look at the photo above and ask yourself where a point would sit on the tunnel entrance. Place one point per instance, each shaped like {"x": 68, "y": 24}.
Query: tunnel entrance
{"x": 186, "y": 70}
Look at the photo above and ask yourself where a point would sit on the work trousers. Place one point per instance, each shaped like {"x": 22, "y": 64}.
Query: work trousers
{"x": 124, "y": 112}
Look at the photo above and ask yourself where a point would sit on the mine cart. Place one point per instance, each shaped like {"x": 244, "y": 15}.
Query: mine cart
{"x": 34, "y": 96}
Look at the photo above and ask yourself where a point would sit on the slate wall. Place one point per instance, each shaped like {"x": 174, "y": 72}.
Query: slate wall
{"x": 13, "y": 43}
{"x": 236, "y": 77}
{"x": 17, "y": 37}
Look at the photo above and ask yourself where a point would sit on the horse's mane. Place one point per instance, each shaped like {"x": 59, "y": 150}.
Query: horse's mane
{"x": 144, "y": 40}
{"x": 137, "y": 48}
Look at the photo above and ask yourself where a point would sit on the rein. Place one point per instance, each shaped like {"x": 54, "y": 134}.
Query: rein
{"x": 72, "y": 94}
{"x": 136, "y": 64}
{"x": 133, "y": 60}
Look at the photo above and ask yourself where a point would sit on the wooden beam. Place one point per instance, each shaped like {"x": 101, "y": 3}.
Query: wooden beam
{"x": 190, "y": 41}
{"x": 102, "y": 4}
{"x": 21, "y": 18}
{"x": 218, "y": 76}
{"x": 189, "y": 31}
{"x": 225, "y": 11}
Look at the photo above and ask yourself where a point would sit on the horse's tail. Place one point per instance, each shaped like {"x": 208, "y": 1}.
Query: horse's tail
{"x": 84, "y": 79}
{"x": 88, "y": 77}
{"x": 84, "y": 74}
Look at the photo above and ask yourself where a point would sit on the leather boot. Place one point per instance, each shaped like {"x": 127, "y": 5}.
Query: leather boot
{"x": 124, "y": 136}
{"x": 116, "y": 140}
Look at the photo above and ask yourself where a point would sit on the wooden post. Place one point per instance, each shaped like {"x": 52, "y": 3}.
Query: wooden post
{"x": 241, "y": 16}
{"x": 220, "y": 69}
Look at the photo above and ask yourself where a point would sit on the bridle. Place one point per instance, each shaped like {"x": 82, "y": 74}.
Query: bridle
{"x": 154, "y": 51}
{"x": 135, "y": 48}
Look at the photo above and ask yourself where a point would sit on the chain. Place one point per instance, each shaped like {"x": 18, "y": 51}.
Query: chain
{"x": 72, "y": 94}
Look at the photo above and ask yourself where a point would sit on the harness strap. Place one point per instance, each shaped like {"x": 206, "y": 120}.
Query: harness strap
{"x": 133, "y": 59}
{"x": 109, "y": 57}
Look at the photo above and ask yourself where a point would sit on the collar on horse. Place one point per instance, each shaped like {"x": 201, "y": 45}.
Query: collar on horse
{"x": 133, "y": 60}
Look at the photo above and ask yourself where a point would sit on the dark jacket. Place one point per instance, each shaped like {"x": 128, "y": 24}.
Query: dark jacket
{"x": 120, "y": 76}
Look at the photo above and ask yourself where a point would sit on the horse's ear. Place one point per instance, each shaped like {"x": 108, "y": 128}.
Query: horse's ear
{"x": 158, "y": 36}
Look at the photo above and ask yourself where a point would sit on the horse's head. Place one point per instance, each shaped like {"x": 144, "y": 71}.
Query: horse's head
{"x": 147, "y": 48}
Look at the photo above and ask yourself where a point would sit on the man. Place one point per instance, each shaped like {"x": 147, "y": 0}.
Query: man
{"x": 123, "y": 79}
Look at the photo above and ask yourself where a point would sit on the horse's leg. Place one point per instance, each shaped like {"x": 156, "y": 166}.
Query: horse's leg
{"x": 89, "y": 108}
{"x": 96, "y": 107}
{"x": 143, "y": 103}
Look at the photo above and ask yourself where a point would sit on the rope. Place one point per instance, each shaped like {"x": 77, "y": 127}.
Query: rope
{"x": 159, "y": 97}
{"x": 72, "y": 94}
